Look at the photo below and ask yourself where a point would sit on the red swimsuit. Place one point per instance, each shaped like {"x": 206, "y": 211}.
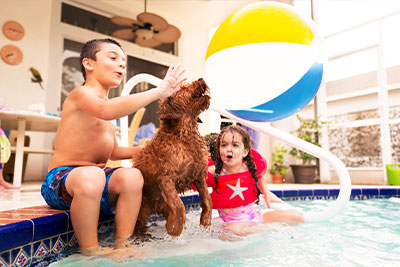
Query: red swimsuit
{"x": 236, "y": 189}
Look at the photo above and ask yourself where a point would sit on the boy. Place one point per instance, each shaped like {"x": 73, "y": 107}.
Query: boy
{"x": 77, "y": 179}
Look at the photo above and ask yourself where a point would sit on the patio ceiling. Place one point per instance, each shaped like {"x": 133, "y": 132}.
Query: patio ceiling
{"x": 185, "y": 13}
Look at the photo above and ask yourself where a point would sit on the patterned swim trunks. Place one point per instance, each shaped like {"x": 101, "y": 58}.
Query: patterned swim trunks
{"x": 248, "y": 213}
{"x": 56, "y": 195}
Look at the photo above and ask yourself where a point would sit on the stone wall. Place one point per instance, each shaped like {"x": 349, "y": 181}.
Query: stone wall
{"x": 361, "y": 146}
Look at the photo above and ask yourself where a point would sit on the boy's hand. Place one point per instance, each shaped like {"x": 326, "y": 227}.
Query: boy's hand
{"x": 171, "y": 82}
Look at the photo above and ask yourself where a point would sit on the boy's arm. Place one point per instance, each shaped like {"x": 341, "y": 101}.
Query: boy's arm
{"x": 110, "y": 109}
{"x": 120, "y": 153}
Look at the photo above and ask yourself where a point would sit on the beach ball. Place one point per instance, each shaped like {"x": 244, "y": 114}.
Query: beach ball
{"x": 264, "y": 62}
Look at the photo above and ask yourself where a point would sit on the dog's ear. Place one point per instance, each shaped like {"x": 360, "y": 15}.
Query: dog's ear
{"x": 170, "y": 116}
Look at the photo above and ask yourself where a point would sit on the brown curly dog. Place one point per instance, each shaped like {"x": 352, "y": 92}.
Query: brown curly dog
{"x": 175, "y": 158}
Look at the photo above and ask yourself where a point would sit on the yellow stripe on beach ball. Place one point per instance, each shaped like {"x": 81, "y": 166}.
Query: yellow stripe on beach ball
{"x": 260, "y": 22}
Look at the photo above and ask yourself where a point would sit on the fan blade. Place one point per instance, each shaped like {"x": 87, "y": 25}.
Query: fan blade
{"x": 147, "y": 43}
{"x": 125, "y": 34}
{"x": 122, "y": 21}
{"x": 158, "y": 23}
{"x": 170, "y": 35}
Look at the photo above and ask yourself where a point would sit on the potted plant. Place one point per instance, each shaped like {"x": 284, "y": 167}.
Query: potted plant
{"x": 278, "y": 169}
{"x": 308, "y": 130}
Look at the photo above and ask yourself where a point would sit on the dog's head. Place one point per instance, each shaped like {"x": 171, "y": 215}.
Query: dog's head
{"x": 192, "y": 99}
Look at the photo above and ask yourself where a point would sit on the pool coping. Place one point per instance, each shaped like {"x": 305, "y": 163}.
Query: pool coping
{"x": 29, "y": 242}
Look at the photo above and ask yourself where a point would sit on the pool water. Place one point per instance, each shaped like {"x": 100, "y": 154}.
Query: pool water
{"x": 366, "y": 233}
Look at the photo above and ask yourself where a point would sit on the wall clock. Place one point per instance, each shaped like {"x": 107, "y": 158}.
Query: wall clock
{"x": 11, "y": 54}
{"x": 13, "y": 30}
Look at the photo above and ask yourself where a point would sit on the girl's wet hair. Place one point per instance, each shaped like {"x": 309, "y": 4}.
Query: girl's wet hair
{"x": 90, "y": 49}
{"x": 211, "y": 140}
{"x": 249, "y": 158}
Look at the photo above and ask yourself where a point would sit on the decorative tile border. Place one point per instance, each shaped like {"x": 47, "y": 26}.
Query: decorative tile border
{"x": 329, "y": 194}
{"x": 38, "y": 241}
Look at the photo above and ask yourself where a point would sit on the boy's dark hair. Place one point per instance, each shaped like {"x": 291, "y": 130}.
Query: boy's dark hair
{"x": 249, "y": 158}
{"x": 90, "y": 49}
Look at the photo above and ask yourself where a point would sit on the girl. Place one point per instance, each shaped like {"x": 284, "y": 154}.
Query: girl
{"x": 237, "y": 183}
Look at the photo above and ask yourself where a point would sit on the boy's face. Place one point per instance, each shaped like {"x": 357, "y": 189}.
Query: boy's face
{"x": 109, "y": 68}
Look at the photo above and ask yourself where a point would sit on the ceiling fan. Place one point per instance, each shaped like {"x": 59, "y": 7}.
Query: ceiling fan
{"x": 149, "y": 30}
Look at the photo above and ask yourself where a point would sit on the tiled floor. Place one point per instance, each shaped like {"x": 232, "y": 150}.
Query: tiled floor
{"x": 27, "y": 196}
{"x": 25, "y": 203}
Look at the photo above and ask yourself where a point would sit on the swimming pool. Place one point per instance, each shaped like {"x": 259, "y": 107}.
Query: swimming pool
{"x": 366, "y": 233}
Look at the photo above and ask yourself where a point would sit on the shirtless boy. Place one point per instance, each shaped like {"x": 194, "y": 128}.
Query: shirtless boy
{"x": 77, "y": 179}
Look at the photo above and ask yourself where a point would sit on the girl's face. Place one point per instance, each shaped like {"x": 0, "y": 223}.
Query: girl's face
{"x": 232, "y": 150}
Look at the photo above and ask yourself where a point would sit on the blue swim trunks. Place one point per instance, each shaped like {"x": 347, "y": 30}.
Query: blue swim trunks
{"x": 56, "y": 195}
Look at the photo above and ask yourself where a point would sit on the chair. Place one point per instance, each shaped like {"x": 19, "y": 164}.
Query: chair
{"x": 133, "y": 127}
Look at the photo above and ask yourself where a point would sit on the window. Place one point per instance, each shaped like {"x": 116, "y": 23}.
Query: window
{"x": 91, "y": 21}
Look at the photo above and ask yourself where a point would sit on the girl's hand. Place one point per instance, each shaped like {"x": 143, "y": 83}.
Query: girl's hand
{"x": 171, "y": 82}
{"x": 267, "y": 200}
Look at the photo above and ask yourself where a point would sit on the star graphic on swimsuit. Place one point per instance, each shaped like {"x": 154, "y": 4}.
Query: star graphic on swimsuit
{"x": 237, "y": 190}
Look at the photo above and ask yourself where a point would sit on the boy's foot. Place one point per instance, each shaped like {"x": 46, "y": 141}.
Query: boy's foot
{"x": 7, "y": 185}
{"x": 97, "y": 251}
{"x": 126, "y": 253}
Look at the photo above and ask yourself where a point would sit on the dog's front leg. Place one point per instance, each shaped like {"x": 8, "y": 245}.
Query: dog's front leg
{"x": 206, "y": 203}
{"x": 177, "y": 217}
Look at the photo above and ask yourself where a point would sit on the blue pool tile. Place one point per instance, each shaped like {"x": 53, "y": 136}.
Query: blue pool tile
{"x": 46, "y": 242}
{"x": 370, "y": 191}
{"x": 278, "y": 193}
{"x": 290, "y": 193}
{"x": 320, "y": 192}
{"x": 3, "y": 263}
{"x": 50, "y": 226}
{"x": 388, "y": 191}
{"x": 39, "y": 251}
{"x": 334, "y": 192}
{"x": 15, "y": 234}
{"x": 103, "y": 217}
{"x": 187, "y": 199}
{"x": 305, "y": 192}
{"x": 355, "y": 191}
{"x": 27, "y": 249}
{"x": 196, "y": 199}
{"x": 21, "y": 258}
{"x": 6, "y": 257}
{"x": 14, "y": 254}
{"x": 58, "y": 245}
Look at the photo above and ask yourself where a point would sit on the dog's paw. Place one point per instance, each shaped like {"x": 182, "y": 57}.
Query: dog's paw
{"x": 205, "y": 219}
{"x": 175, "y": 222}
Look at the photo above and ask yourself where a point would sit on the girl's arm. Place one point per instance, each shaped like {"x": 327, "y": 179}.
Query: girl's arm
{"x": 210, "y": 176}
{"x": 264, "y": 189}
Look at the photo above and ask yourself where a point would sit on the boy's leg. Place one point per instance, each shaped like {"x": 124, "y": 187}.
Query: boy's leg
{"x": 85, "y": 185}
{"x": 125, "y": 191}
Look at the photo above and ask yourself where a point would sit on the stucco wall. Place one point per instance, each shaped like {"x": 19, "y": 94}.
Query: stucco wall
{"x": 15, "y": 81}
